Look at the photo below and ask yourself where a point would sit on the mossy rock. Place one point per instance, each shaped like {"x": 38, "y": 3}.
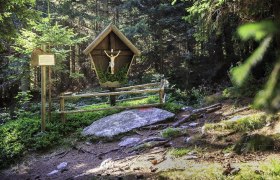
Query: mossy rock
{"x": 251, "y": 143}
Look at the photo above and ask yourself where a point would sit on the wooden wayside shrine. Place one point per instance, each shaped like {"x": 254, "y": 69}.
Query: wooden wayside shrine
{"x": 111, "y": 55}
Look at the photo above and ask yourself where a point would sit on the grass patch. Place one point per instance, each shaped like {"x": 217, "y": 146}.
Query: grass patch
{"x": 266, "y": 170}
{"x": 179, "y": 152}
{"x": 243, "y": 124}
{"x": 171, "y": 132}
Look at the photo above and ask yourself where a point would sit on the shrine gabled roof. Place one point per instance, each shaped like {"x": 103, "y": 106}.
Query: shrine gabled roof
{"x": 105, "y": 33}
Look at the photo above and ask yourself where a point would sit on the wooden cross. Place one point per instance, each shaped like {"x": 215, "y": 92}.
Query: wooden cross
{"x": 112, "y": 59}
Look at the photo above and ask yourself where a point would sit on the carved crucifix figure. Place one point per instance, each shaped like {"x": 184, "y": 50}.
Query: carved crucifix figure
{"x": 112, "y": 60}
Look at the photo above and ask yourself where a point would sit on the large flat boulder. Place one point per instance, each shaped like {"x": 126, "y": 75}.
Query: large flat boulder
{"x": 126, "y": 121}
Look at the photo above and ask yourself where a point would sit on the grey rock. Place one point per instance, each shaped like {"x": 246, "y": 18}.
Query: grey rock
{"x": 88, "y": 143}
{"x": 235, "y": 118}
{"x": 129, "y": 142}
{"x": 188, "y": 140}
{"x": 62, "y": 165}
{"x": 53, "y": 172}
{"x": 189, "y": 157}
{"x": 187, "y": 108}
{"x": 126, "y": 121}
{"x": 106, "y": 163}
{"x": 193, "y": 124}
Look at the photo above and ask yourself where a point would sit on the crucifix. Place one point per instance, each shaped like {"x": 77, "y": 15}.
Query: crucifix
{"x": 112, "y": 59}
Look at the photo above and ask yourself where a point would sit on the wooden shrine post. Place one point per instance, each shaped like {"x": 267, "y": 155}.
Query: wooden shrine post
{"x": 39, "y": 57}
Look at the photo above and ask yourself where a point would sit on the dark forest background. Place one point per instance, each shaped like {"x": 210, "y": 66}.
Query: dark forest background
{"x": 194, "y": 44}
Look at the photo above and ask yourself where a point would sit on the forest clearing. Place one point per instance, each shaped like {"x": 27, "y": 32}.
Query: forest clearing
{"x": 140, "y": 89}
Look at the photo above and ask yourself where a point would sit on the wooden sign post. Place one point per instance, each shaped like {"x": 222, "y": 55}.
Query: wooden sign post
{"x": 43, "y": 98}
{"x": 40, "y": 58}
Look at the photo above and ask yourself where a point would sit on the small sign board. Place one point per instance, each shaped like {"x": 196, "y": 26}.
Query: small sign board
{"x": 46, "y": 60}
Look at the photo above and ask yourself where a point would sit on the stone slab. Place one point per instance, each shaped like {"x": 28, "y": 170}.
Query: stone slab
{"x": 126, "y": 121}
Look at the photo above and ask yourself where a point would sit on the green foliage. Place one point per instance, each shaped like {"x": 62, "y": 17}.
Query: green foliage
{"x": 120, "y": 75}
{"x": 240, "y": 73}
{"x": 269, "y": 97}
{"x": 14, "y": 14}
{"x": 172, "y": 107}
{"x": 179, "y": 152}
{"x": 23, "y": 134}
{"x": 247, "y": 89}
{"x": 242, "y": 124}
{"x": 171, "y": 132}
{"x": 4, "y": 117}
{"x": 23, "y": 98}
{"x": 45, "y": 32}
{"x": 192, "y": 97}
{"x": 57, "y": 39}
{"x": 257, "y": 31}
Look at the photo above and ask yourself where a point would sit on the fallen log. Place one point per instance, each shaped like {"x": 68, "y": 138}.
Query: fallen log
{"x": 197, "y": 113}
{"x": 237, "y": 111}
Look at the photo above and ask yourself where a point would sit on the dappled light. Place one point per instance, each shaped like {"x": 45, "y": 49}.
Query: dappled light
{"x": 140, "y": 89}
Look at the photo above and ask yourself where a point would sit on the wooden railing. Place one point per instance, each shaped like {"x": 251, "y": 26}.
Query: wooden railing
{"x": 119, "y": 91}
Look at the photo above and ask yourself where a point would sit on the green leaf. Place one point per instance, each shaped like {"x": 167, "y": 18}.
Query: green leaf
{"x": 257, "y": 31}
{"x": 173, "y": 2}
{"x": 240, "y": 73}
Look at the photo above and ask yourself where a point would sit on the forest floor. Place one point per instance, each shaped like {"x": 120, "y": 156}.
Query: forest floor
{"x": 194, "y": 153}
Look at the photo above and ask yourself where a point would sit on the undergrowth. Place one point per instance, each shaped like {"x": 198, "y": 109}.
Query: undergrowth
{"x": 22, "y": 135}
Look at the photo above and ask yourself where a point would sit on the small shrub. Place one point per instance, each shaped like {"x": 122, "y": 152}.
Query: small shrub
{"x": 171, "y": 132}
{"x": 179, "y": 152}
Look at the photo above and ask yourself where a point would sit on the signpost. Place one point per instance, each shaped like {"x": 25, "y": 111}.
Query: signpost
{"x": 39, "y": 57}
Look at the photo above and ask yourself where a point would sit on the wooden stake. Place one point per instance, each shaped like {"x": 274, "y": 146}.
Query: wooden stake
{"x": 112, "y": 97}
{"x": 50, "y": 93}
{"x": 43, "y": 98}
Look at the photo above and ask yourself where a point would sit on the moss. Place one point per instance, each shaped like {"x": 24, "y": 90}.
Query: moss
{"x": 246, "y": 123}
{"x": 171, "y": 132}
